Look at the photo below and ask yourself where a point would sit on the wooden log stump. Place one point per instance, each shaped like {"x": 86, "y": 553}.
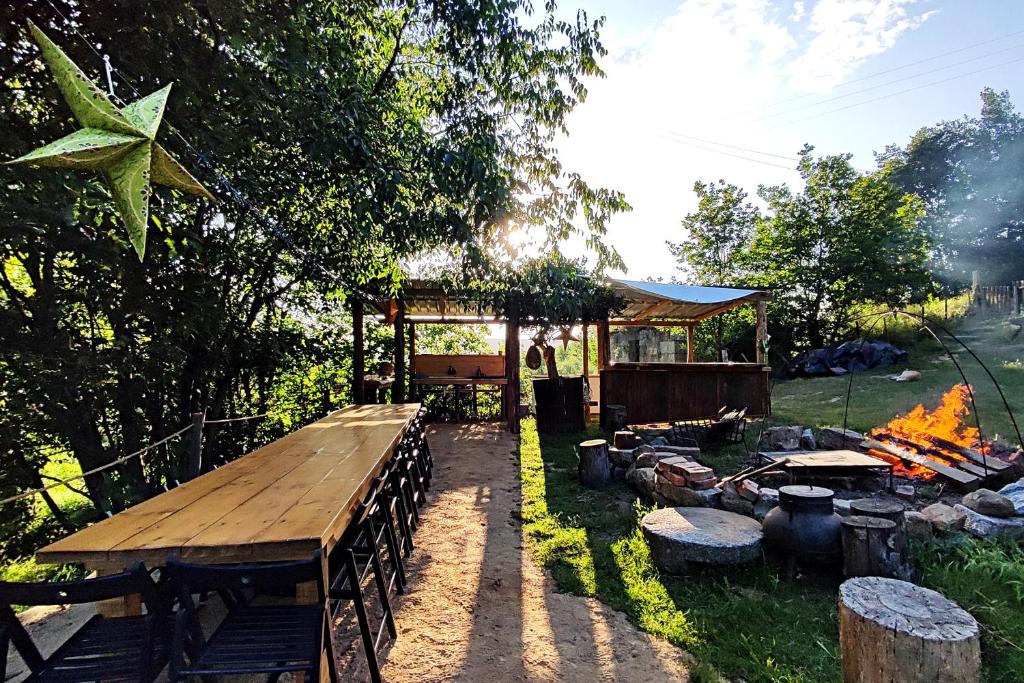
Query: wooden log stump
{"x": 884, "y": 509}
{"x": 594, "y": 467}
{"x": 870, "y": 547}
{"x": 891, "y": 630}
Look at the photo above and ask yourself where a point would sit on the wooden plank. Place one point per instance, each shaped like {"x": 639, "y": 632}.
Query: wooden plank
{"x": 971, "y": 454}
{"x": 262, "y": 484}
{"x": 956, "y": 475}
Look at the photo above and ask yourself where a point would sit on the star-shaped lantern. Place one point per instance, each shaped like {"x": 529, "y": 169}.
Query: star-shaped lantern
{"x": 119, "y": 143}
{"x": 566, "y": 335}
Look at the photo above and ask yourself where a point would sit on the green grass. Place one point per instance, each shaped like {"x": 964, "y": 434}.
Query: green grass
{"x": 987, "y": 580}
{"x": 875, "y": 400}
{"x": 746, "y": 623}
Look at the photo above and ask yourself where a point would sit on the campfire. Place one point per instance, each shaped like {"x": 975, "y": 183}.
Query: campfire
{"x": 928, "y": 444}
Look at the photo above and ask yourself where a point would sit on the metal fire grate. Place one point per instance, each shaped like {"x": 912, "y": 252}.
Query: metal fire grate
{"x": 710, "y": 431}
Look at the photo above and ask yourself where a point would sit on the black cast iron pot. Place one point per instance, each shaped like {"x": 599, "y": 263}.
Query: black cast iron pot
{"x": 804, "y": 527}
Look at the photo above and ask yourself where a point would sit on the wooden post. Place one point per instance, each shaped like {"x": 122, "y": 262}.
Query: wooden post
{"x": 892, "y": 630}
{"x": 586, "y": 351}
{"x": 195, "y": 446}
{"x": 690, "y": 355}
{"x": 762, "y": 331}
{"x": 512, "y": 374}
{"x": 604, "y": 351}
{"x": 358, "y": 353}
{"x": 398, "y": 387}
{"x": 594, "y": 466}
{"x": 412, "y": 361}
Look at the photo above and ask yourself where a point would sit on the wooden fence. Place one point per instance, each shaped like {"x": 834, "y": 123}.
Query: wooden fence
{"x": 995, "y": 299}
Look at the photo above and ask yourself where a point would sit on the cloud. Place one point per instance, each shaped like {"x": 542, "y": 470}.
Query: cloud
{"x": 844, "y": 33}
{"x": 709, "y": 70}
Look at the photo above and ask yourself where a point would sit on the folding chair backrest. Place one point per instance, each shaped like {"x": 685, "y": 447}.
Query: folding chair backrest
{"x": 134, "y": 581}
{"x": 197, "y": 578}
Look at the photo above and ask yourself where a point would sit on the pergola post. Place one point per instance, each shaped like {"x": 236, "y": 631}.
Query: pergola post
{"x": 603, "y": 346}
{"x": 690, "y": 355}
{"x": 412, "y": 360}
{"x": 398, "y": 386}
{"x": 512, "y": 374}
{"x": 358, "y": 353}
{"x": 762, "y": 330}
{"x": 586, "y": 350}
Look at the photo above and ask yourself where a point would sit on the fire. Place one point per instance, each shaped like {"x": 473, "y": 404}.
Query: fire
{"x": 930, "y": 428}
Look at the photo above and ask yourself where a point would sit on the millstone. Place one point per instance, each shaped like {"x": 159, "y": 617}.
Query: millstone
{"x": 706, "y": 535}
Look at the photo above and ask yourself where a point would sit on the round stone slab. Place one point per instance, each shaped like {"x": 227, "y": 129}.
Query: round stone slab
{"x": 706, "y": 535}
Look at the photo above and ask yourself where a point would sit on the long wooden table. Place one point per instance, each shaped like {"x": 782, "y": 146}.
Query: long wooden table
{"x": 281, "y": 502}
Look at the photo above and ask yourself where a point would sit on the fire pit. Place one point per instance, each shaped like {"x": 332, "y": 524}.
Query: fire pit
{"x": 925, "y": 445}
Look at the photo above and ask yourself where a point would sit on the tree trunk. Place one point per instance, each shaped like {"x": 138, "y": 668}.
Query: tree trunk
{"x": 891, "y": 630}
{"x": 869, "y": 546}
{"x": 594, "y": 467}
{"x": 550, "y": 362}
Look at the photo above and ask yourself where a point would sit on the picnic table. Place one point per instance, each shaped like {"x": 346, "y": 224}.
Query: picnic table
{"x": 281, "y": 502}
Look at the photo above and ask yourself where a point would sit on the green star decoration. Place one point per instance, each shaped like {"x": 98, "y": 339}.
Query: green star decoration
{"x": 119, "y": 143}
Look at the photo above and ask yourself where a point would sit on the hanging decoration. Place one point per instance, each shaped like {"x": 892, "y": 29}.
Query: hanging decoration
{"x": 118, "y": 143}
{"x": 566, "y": 335}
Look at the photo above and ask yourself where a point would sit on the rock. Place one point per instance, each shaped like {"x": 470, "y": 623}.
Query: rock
{"x": 906, "y": 492}
{"x": 642, "y": 480}
{"x": 917, "y": 526}
{"x": 621, "y": 457}
{"x": 659, "y": 441}
{"x": 985, "y": 526}
{"x": 908, "y": 376}
{"x": 733, "y": 502}
{"x": 678, "y": 536}
{"x": 782, "y": 438}
{"x": 989, "y": 503}
{"x": 619, "y": 472}
{"x": 944, "y": 519}
{"x": 807, "y": 441}
{"x": 650, "y": 432}
{"x": 1008, "y": 331}
{"x": 834, "y": 439}
{"x": 1015, "y": 493}
{"x": 685, "y": 496}
{"x": 691, "y": 452}
{"x": 767, "y": 500}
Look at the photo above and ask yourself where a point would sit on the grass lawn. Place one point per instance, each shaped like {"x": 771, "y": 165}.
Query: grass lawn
{"x": 750, "y": 623}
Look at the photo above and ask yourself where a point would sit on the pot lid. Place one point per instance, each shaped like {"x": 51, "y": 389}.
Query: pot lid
{"x": 805, "y": 492}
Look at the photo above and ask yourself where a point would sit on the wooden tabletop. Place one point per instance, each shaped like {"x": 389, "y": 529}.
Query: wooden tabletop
{"x": 826, "y": 459}
{"x": 460, "y": 381}
{"x": 282, "y": 501}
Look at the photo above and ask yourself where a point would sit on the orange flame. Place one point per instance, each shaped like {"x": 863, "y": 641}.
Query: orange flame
{"x": 920, "y": 426}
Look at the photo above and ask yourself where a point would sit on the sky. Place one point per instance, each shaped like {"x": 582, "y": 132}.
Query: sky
{"x": 685, "y": 79}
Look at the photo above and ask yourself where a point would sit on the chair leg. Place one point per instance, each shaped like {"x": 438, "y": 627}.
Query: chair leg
{"x": 391, "y": 538}
{"x": 364, "y": 622}
{"x": 381, "y": 581}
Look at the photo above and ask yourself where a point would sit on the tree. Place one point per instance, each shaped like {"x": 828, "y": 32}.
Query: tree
{"x": 848, "y": 238}
{"x": 967, "y": 172}
{"x": 360, "y": 133}
{"x": 716, "y": 235}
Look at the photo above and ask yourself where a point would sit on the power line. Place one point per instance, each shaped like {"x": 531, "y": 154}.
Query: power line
{"x": 725, "y": 144}
{"x": 728, "y": 154}
{"x": 895, "y": 94}
{"x": 893, "y": 69}
{"x": 887, "y": 83}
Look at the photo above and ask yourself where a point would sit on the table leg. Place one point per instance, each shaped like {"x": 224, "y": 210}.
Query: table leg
{"x": 128, "y": 606}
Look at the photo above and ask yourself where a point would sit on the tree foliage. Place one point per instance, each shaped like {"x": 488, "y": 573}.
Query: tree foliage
{"x": 367, "y": 131}
{"x": 847, "y": 238}
{"x": 967, "y": 172}
{"x": 716, "y": 234}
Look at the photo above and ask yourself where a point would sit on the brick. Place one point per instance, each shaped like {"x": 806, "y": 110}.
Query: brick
{"x": 749, "y": 490}
{"x": 704, "y": 485}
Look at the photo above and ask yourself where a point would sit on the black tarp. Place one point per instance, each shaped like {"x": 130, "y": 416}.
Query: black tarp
{"x": 849, "y": 356}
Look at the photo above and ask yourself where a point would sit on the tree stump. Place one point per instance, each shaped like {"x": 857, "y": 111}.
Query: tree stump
{"x": 614, "y": 417}
{"x": 869, "y": 546}
{"x": 594, "y": 467}
{"x": 891, "y": 630}
{"x": 884, "y": 509}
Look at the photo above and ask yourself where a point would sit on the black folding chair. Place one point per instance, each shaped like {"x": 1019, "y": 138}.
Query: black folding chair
{"x": 133, "y": 648}
{"x": 253, "y": 637}
{"x": 353, "y": 559}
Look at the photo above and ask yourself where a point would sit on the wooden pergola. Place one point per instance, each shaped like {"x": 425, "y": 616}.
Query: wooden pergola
{"x": 647, "y": 304}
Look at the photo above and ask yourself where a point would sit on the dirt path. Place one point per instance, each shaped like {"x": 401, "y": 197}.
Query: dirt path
{"x": 479, "y": 608}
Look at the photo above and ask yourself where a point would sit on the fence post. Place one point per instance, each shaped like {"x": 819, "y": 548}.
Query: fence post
{"x": 195, "y": 449}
